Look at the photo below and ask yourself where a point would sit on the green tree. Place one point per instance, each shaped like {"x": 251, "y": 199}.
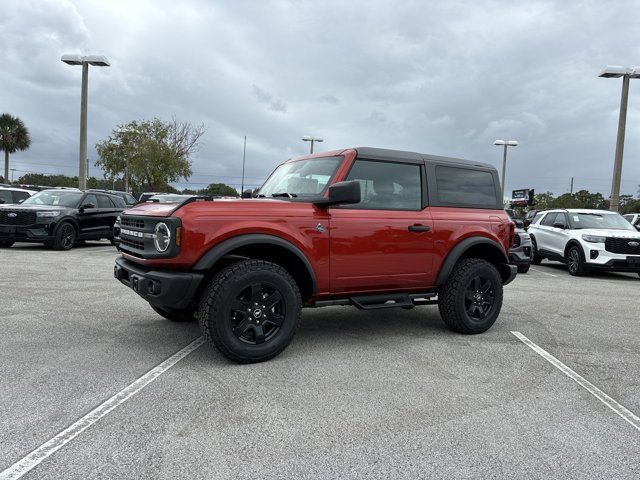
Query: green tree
{"x": 14, "y": 137}
{"x": 154, "y": 152}
{"x": 219, "y": 190}
{"x": 543, "y": 200}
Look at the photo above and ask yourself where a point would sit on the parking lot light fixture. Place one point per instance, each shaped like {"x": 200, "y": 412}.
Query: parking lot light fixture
{"x": 84, "y": 61}
{"x": 626, "y": 74}
{"x": 505, "y": 144}
{"x": 309, "y": 138}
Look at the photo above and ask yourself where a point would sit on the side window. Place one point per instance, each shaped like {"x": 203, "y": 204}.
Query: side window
{"x": 549, "y": 218}
{"x": 17, "y": 196}
{"x": 561, "y": 218}
{"x": 387, "y": 185}
{"x": 118, "y": 202}
{"x": 90, "y": 199}
{"x": 104, "y": 202}
{"x": 5, "y": 196}
{"x": 536, "y": 218}
{"x": 465, "y": 186}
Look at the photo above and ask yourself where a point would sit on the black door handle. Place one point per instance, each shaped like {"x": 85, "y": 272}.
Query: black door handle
{"x": 418, "y": 228}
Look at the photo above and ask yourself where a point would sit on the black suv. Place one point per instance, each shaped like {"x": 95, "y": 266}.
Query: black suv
{"x": 60, "y": 218}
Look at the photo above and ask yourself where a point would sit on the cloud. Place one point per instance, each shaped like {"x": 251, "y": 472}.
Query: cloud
{"x": 446, "y": 78}
{"x": 265, "y": 97}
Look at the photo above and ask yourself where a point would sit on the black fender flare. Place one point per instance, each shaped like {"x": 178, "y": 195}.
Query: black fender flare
{"x": 209, "y": 259}
{"x": 456, "y": 253}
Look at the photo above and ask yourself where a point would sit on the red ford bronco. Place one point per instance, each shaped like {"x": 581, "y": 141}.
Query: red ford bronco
{"x": 366, "y": 227}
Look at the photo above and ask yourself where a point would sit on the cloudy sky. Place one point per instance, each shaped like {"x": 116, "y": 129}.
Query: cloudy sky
{"x": 446, "y": 78}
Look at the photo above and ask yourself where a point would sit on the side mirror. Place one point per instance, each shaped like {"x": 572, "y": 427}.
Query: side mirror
{"x": 86, "y": 206}
{"x": 21, "y": 200}
{"x": 519, "y": 223}
{"x": 341, "y": 193}
{"x": 559, "y": 225}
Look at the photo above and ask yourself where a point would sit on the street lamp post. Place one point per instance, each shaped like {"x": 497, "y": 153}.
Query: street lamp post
{"x": 506, "y": 144}
{"x": 84, "y": 61}
{"x": 626, "y": 74}
{"x": 311, "y": 139}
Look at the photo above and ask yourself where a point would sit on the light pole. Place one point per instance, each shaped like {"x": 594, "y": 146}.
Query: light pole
{"x": 626, "y": 74}
{"x": 308, "y": 138}
{"x": 506, "y": 144}
{"x": 12, "y": 170}
{"x": 85, "y": 61}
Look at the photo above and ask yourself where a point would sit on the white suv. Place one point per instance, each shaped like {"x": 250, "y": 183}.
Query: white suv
{"x": 586, "y": 239}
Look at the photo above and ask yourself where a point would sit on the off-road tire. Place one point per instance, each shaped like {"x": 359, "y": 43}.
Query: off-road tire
{"x": 174, "y": 315}
{"x": 6, "y": 243}
{"x": 452, "y": 297}
{"x": 575, "y": 261}
{"x": 215, "y": 311}
{"x": 536, "y": 259}
{"x": 65, "y": 237}
{"x": 524, "y": 268}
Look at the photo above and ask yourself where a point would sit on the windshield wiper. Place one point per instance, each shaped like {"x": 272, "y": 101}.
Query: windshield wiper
{"x": 284, "y": 194}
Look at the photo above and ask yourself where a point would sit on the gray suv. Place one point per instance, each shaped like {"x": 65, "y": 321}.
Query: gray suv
{"x": 520, "y": 253}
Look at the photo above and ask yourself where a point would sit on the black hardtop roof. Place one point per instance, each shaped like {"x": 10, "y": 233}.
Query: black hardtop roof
{"x": 388, "y": 154}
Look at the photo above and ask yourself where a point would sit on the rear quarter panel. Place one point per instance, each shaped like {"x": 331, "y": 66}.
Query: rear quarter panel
{"x": 452, "y": 225}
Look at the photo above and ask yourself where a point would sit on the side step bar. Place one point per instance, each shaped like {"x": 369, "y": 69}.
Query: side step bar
{"x": 377, "y": 302}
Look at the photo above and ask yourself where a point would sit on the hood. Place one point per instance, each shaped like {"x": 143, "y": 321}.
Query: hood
{"x": 605, "y": 232}
{"x": 38, "y": 208}
{"x": 152, "y": 209}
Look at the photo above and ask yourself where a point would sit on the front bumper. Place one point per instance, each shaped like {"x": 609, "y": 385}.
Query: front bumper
{"x": 31, "y": 233}
{"x": 164, "y": 288}
{"x": 513, "y": 271}
{"x": 598, "y": 258}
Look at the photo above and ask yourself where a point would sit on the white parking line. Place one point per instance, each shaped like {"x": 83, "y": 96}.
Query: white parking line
{"x": 633, "y": 419}
{"x": 60, "y": 440}
{"x": 540, "y": 271}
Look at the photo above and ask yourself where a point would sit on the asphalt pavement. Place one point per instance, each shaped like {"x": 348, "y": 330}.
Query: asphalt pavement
{"x": 382, "y": 394}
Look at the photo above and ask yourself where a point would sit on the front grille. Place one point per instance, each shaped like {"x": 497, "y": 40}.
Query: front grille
{"x": 516, "y": 241}
{"x": 17, "y": 217}
{"x": 130, "y": 243}
{"x": 132, "y": 222}
{"x": 621, "y": 245}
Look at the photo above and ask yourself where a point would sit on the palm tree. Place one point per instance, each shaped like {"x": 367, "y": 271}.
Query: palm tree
{"x": 14, "y": 136}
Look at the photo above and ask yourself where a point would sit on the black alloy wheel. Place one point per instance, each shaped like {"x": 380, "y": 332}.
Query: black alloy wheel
{"x": 257, "y": 313}
{"x": 479, "y": 297}
{"x": 65, "y": 237}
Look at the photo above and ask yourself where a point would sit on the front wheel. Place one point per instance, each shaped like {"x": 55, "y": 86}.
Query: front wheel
{"x": 250, "y": 311}
{"x": 536, "y": 259}
{"x": 65, "y": 237}
{"x": 471, "y": 298}
{"x": 575, "y": 261}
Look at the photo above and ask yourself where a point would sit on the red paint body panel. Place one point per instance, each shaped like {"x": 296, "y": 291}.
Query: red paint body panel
{"x": 357, "y": 251}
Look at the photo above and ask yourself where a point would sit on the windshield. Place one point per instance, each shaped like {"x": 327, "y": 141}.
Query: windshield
{"x": 302, "y": 178}
{"x": 56, "y": 197}
{"x": 613, "y": 221}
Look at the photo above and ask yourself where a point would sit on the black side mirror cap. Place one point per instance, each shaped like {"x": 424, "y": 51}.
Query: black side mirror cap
{"x": 519, "y": 223}
{"x": 341, "y": 193}
{"x": 559, "y": 225}
{"x": 85, "y": 206}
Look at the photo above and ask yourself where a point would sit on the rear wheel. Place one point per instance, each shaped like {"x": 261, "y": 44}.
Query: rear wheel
{"x": 174, "y": 314}
{"x": 65, "y": 237}
{"x": 250, "y": 311}
{"x": 6, "y": 244}
{"x": 575, "y": 261}
{"x": 471, "y": 299}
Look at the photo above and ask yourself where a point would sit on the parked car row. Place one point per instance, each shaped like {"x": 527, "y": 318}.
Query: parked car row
{"x": 60, "y": 218}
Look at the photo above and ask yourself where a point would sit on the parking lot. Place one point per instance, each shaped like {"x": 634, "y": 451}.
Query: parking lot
{"x": 382, "y": 394}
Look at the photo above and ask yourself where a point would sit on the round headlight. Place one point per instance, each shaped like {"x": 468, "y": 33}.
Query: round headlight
{"x": 162, "y": 238}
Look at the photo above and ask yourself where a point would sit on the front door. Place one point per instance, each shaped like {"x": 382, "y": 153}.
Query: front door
{"x": 385, "y": 242}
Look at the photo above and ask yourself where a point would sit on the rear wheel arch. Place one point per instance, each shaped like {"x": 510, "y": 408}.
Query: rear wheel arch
{"x": 261, "y": 247}
{"x": 475, "y": 247}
